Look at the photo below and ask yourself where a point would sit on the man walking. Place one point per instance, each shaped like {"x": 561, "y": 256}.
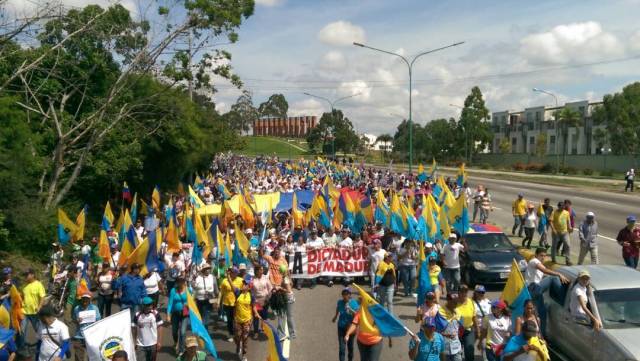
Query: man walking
{"x": 131, "y": 289}
{"x": 451, "y": 262}
{"x": 629, "y": 239}
{"x": 629, "y": 178}
{"x": 588, "y": 233}
{"x": 518, "y": 209}
{"x": 560, "y": 228}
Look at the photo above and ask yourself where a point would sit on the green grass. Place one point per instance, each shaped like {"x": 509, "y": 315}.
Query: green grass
{"x": 295, "y": 148}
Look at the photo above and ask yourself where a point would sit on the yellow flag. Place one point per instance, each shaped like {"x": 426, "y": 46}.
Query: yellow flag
{"x": 80, "y": 222}
{"x": 366, "y": 320}
{"x": 243, "y": 242}
{"x": 515, "y": 284}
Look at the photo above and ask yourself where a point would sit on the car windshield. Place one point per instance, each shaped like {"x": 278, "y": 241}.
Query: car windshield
{"x": 619, "y": 308}
{"x": 486, "y": 242}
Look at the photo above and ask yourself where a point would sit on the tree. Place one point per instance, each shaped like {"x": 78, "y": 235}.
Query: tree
{"x": 385, "y": 139}
{"x": 336, "y": 130}
{"x": 476, "y": 133}
{"x": 541, "y": 145}
{"x": 621, "y": 118}
{"x": 567, "y": 118}
{"x": 442, "y": 139}
{"x": 242, "y": 113}
{"x": 276, "y": 106}
{"x": 504, "y": 146}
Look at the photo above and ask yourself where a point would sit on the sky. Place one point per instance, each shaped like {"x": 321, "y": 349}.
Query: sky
{"x": 575, "y": 49}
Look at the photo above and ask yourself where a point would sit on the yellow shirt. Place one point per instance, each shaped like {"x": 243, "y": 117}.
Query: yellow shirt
{"x": 449, "y": 315}
{"x": 383, "y": 267}
{"x": 227, "y": 291}
{"x": 519, "y": 207}
{"x": 467, "y": 312}
{"x": 560, "y": 221}
{"x": 433, "y": 274}
{"x": 244, "y": 310}
{"x": 33, "y": 293}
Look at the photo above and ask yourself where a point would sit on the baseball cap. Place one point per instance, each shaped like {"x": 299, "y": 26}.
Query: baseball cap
{"x": 520, "y": 194}
{"x": 85, "y": 295}
{"x": 452, "y": 296}
{"x": 430, "y": 296}
{"x": 248, "y": 230}
{"x": 346, "y": 290}
{"x": 428, "y": 245}
{"x": 499, "y": 304}
{"x": 453, "y": 236}
{"x": 584, "y": 273}
{"x": 591, "y": 214}
{"x": 242, "y": 266}
{"x": 190, "y": 341}
{"x": 147, "y": 301}
{"x": 631, "y": 218}
{"x": 480, "y": 289}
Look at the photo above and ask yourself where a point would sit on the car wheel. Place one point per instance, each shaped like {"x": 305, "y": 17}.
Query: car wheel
{"x": 467, "y": 279}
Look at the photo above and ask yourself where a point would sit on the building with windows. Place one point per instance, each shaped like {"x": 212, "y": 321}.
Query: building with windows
{"x": 527, "y": 130}
{"x": 373, "y": 143}
{"x": 297, "y": 127}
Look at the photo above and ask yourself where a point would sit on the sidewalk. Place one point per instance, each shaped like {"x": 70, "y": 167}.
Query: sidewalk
{"x": 603, "y": 181}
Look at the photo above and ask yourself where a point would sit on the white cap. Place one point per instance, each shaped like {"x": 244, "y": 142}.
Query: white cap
{"x": 248, "y": 230}
{"x": 428, "y": 245}
{"x": 453, "y": 236}
{"x": 590, "y": 214}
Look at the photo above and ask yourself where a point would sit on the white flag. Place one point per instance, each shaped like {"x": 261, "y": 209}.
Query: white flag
{"x": 109, "y": 335}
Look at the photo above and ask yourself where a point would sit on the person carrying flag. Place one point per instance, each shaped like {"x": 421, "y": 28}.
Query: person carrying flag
{"x": 427, "y": 345}
{"x": 369, "y": 345}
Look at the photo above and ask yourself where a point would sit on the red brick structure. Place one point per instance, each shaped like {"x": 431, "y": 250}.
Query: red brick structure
{"x": 297, "y": 127}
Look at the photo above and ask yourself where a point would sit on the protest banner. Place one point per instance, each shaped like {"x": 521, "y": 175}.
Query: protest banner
{"x": 109, "y": 335}
{"x": 335, "y": 262}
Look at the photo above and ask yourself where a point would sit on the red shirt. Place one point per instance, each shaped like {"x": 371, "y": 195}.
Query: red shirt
{"x": 631, "y": 236}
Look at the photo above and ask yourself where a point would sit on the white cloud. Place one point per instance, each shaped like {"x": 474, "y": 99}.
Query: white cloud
{"x": 575, "y": 42}
{"x": 358, "y": 87}
{"x": 341, "y": 33}
{"x": 269, "y": 3}
{"x": 634, "y": 42}
{"x": 307, "y": 107}
{"x": 333, "y": 60}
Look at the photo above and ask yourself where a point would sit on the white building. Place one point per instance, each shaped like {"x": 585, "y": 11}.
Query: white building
{"x": 374, "y": 145}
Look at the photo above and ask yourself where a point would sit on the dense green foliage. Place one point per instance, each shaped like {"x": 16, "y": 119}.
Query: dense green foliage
{"x": 83, "y": 111}
{"x": 334, "y": 133}
{"x": 620, "y": 114}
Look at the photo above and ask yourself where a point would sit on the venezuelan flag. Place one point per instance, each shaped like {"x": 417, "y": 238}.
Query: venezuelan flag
{"x": 274, "y": 346}
{"x": 126, "y": 193}
{"x": 462, "y": 176}
{"x": 459, "y": 214}
{"x": 66, "y": 228}
{"x": 376, "y": 320}
{"x": 104, "y": 250}
{"x": 198, "y": 328}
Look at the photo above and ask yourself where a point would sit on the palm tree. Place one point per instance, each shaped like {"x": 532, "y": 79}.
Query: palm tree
{"x": 386, "y": 139}
{"x": 567, "y": 118}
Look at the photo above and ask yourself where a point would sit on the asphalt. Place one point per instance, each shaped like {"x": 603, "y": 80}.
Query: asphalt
{"x": 317, "y": 336}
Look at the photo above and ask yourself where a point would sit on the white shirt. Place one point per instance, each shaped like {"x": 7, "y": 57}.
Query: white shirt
{"x": 104, "y": 282}
{"x": 532, "y": 274}
{"x": 376, "y": 257}
{"x": 139, "y": 233}
{"x": 330, "y": 240}
{"x": 315, "y": 243}
{"x": 80, "y": 266}
{"x": 451, "y": 253}
{"x": 151, "y": 283}
{"x": 346, "y": 242}
{"x": 147, "y": 327}
{"x": 175, "y": 269}
{"x": 530, "y": 220}
{"x": 497, "y": 329}
{"x": 485, "y": 308}
{"x": 115, "y": 258}
{"x": 578, "y": 293}
{"x": 57, "y": 331}
{"x": 203, "y": 286}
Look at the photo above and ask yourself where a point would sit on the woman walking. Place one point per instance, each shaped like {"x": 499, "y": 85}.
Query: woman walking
{"x": 408, "y": 256}
{"x": 530, "y": 225}
{"x": 105, "y": 292}
{"x": 496, "y": 330}
{"x": 178, "y": 312}
{"x": 245, "y": 312}
{"x": 369, "y": 345}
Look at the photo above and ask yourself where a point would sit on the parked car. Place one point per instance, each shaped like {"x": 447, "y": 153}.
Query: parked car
{"x": 615, "y": 300}
{"x": 488, "y": 256}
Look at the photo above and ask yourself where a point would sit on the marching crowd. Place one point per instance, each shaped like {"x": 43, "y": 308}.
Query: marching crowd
{"x": 83, "y": 287}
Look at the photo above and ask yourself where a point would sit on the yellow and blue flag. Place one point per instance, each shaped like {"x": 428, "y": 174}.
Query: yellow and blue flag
{"x": 198, "y": 328}
{"x": 134, "y": 209}
{"x": 11, "y": 313}
{"x": 514, "y": 286}
{"x": 104, "y": 250}
{"x": 382, "y": 212}
{"x": 433, "y": 168}
{"x": 542, "y": 216}
{"x": 461, "y": 178}
{"x": 6, "y": 337}
{"x": 424, "y": 280}
{"x": 274, "y": 346}
{"x": 296, "y": 214}
{"x": 80, "y": 223}
{"x": 128, "y": 237}
{"x": 459, "y": 215}
{"x": 422, "y": 175}
{"x": 66, "y": 228}
{"x": 171, "y": 235}
{"x": 376, "y": 320}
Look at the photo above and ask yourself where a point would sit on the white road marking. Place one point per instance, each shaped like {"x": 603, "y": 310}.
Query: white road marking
{"x": 609, "y": 238}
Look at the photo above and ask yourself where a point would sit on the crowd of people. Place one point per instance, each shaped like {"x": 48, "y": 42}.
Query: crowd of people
{"x": 241, "y": 292}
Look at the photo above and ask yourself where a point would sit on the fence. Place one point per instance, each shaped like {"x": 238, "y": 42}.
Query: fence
{"x": 600, "y": 162}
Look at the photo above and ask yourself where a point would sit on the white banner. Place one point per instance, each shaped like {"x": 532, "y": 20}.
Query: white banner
{"x": 336, "y": 262}
{"x": 109, "y": 335}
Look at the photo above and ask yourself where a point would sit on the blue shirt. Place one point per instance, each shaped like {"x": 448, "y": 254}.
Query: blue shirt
{"x": 7, "y": 350}
{"x": 84, "y": 322}
{"x": 345, "y": 317}
{"x": 132, "y": 288}
{"x": 428, "y": 350}
{"x": 177, "y": 301}
{"x": 254, "y": 242}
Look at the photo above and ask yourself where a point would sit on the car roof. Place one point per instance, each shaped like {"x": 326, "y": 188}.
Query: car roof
{"x": 483, "y": 228}
{"x": 606, "y": 277}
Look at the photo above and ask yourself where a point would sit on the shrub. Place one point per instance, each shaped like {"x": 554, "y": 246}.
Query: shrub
{"x": 485, "y": 166}
{"x": 569, "y": 170}
{"x": 547, "y": 168}
{"x": 519, "y": 166}
{"x": 587, "y": 171}
{"x": 606, "y": 173}
{"x": 535, "y": 167}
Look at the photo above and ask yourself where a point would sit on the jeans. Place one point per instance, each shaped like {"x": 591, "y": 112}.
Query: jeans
{"x": 147, "y": 353}
{"x": 468, "y": 344}
{"x": 629, "y": 185}
{"x": 550, "y": 283}
{"x": 518, "y": 223}
{"x": 593, "y": 251}
{"x": 408, "y": 277}
{"x": 345, "y": 346}
{"x": 178, "y": 329}
{"x": 264, "y": 313}
{"x": 228, "y": 311}
{"x": 385, "y": 297}
{"x": 203, "y": 307}
{"x": 104, "y": 304}
{"x": 370, "y": 352}
{"x": 452, "y": 276}
{"x": 631, "y": 261}
{"x": 528, "y": 237}
{"x": 291, "y": 327}
{"x": 477, "y": 208}
{"x": 484, "y": 215}
{"x": 557, "y": 240}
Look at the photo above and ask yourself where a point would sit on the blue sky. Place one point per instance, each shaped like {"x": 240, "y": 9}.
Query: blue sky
{"x": 297, "y": 46}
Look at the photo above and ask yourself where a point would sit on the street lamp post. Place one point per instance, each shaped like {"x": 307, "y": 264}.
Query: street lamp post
{"x": 332, "y": 103}
{"x": 555, "y": 120}
{"x": 410, "y": 67}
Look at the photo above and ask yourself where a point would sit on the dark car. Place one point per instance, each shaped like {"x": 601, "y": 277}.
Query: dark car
{"x": 487, "y": 256}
